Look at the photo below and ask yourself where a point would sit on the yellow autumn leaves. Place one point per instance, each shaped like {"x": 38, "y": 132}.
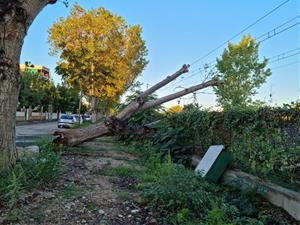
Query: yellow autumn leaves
{"x": 99, "y": 52}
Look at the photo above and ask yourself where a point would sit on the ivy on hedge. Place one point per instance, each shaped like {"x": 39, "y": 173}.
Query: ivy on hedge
{"x": 264, "y": 141}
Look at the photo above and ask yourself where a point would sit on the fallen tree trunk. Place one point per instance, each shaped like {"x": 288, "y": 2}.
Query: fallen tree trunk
{"x": 118, "y": 124}
{"x": 136, "y": 104}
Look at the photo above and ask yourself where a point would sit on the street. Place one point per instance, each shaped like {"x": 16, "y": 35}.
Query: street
{"x": 29, "y": 134}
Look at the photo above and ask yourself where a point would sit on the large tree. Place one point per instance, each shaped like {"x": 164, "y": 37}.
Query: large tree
{"x": 99, "y": 52}
{"x": 16, "y": 17}
{"x": 240, "y": 73}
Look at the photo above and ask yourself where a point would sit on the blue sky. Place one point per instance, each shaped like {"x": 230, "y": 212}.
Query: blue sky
{"x": 179, "y": 32}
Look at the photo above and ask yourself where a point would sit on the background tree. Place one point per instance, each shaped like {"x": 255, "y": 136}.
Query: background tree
{"x": 65, "y": 99}
{"x": 36, "y": 90}
{"x": 99, "y": 52}
{"x": 240, "y": 73}
{"x": 175, "y": 109}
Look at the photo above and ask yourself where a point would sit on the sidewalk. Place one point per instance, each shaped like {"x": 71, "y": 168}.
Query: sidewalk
{"x": 22, "y": 123}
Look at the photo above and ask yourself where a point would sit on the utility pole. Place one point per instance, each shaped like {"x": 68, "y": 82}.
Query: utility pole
{"x": 179, "y": 101}
{"x": 195, "y": 97}
{"x": 80, "y": 97}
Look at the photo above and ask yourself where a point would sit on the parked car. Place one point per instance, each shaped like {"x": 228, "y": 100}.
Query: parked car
{"x": 87, "y": 118}
{"x": 66, "y": 121}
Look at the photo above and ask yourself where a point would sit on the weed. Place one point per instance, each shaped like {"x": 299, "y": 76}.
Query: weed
{"x": 83, "y": 125}
{"x": 71, "y": 192}
{"x": 91, "y": 206}
{"x": 124, "y": 195}
{"x": 179, "y": 196}
{"x": 125, "y": 171}
{"x": 31, "y": 171}
{"x": 14, "y": 193}
{"x": 175, "y": 191}
{"x": 38, "y": 215}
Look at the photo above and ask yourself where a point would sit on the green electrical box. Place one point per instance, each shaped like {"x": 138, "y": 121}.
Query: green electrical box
{"x": 214, "y": 163}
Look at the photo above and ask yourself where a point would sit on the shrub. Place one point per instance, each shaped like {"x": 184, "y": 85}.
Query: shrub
{"x": 184, "y": 133}
{"x": 178, "y": 196}
{"x": 177, "y": 193}
{"x": 42, "y": 169}
{"x": 264, "y": 141}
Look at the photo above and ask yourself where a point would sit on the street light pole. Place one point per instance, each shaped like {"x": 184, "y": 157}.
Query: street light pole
{"x": 79, "y": 107}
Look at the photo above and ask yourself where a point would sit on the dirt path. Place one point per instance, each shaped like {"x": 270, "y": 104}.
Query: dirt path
{"x": 88, "y": 193}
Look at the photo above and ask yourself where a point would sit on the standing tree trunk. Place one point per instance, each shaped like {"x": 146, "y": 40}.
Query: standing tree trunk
{"x": 15, "y": 19}
{"x": 94, "y": 108}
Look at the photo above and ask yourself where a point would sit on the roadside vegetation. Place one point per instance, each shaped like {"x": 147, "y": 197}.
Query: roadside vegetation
{"x": 33, "y": 170}
{"x": 274, "y": 153}
{"x": 169, "y": 191}
{"x": 178, "y": 196}
{"x": 152, "y": 172}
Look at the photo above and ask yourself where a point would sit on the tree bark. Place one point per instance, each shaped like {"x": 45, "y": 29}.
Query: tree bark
{"x": 136, "y": 104}
{"x": 94, "y": 104}
{"x": 186, "y": 91}
{"x": 15, "y": 18}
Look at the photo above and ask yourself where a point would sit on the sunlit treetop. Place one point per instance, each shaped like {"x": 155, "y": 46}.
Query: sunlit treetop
{"x": 99, "y": 52}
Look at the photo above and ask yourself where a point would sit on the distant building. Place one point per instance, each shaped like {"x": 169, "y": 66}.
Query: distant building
{"x": 42, "y": 70}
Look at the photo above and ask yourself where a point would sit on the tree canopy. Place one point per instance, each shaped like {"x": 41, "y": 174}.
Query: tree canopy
{"x": 99, "y": 52}
{"x": 175, "y": 109}
{"x": 240, "y": 73}
{"x": 36, "y": 90}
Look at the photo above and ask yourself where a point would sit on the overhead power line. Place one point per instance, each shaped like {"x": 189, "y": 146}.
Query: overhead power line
{"x": 281, "y": 25}
{"x": 284, "y": 55}
{"x": 272, "y": 59}
{"x": 275, "y": 31}
{"x": 240, "y": 32}
{"x": 285, "y": 65}
{"x": 266, "y": 36}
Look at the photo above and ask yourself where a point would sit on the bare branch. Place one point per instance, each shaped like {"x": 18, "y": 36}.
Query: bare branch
{"x": 168, "y": 98}
{"x": 139, "y": 101}
{"x": 168, "y": 79}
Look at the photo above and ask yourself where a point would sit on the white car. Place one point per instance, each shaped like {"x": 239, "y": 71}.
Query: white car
{"x": 68, "y": 120}
{"x": 87, "y": 118}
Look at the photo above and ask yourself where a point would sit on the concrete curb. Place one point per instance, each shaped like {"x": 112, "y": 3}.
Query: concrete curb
{"x": 282, "y": 197}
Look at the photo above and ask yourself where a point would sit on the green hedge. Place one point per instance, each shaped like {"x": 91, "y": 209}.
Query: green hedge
{"x": 264, "y": 141}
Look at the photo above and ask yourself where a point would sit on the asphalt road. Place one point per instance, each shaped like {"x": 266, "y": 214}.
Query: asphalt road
{"x": 30, "y": 134}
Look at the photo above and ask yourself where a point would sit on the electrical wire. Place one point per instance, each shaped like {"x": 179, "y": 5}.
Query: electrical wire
{"x": 285, "y": 65}
{"x": 270, "y": 34}
{"x": 281, "y": 25}
{"x": 275, "y": 33}
{"x": 277, "y": 58}
{"x": 240, "y": 32}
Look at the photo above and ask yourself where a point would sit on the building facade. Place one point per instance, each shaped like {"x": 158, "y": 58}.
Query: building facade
{"x": 42, "y": 70}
